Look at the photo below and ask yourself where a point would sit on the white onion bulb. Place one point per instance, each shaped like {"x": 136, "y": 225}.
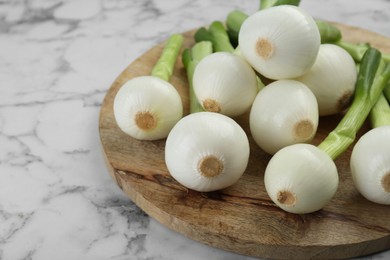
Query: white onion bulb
{"x": 147, "y": 108}
{"x": 370, "y": 165}
{"x": 332, "y": 79}
{"x": 206, "y": 151}
{"x": 225, "y": 83}
{"x": 280, "y": 42}
{"x": 285, "y": 112}
{"x": 301, "y": 178}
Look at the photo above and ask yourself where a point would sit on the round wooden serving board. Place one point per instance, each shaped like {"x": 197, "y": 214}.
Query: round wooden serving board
{"x": 242, "y": 218}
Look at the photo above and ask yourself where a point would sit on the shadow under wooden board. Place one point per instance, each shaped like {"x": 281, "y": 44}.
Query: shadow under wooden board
{"x": 242, "y": 218}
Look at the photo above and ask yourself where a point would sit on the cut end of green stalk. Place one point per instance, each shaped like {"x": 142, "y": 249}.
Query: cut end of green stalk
{"x": 203, "y": 35}
{"x": 145, "y": 120}
{"x": 286, "y": 198}
{"x": 210, "y": 166}
{"x": 165, "y": 64}
{"x": 211, "y": 105}
{"x": 380, "y": 113}
{"x": 386, "y": 182}
{"x": 329, "y": 33}
{"x": 235, "y": 19}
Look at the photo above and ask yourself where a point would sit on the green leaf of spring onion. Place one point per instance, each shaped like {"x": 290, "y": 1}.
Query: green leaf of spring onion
{"x": 216, "y": 34}
{"x": 190, "y": 58}
{"x": 380, "y": 113}
{"x": 329, "y": 33}
{"x": 202, "y": 34}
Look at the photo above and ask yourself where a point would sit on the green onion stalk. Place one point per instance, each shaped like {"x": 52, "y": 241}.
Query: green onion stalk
{"x": 217, "y": 35}
{"x": 318, "y": 170}
{"x": 380, "y": 113}
{"x": 373, "y": 76}
{"x": 328, "y": 32}
{"x": 191, "y": 57}
{"x": 163, "y": 68}
{"x": 386, "y": 92}
{"x": 213, "y": 39}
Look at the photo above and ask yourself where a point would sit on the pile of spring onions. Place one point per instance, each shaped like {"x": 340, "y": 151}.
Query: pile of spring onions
{"x": 287, "y": 70}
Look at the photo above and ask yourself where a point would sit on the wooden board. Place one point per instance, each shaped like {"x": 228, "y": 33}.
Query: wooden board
{"x": 242, "y": 218}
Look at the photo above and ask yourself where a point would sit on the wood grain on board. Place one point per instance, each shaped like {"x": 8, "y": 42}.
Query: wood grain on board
{"x": 242, "y": 218}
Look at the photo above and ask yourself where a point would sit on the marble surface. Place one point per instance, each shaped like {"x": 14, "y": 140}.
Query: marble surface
{"x": 57, "y": 60}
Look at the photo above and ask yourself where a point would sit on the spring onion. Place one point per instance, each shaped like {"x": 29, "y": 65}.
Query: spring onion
{"x": 373, "y": 71}
{"x": 370, "y": 165}
{"x": 223, "y": 82}
{"x": 285, "y": 112}
{"x": 207, "y": 151}
{"x": 198, "y": 150}
{"x": 370, "y": 158}
{"x": 147, "y": 107}
{"x": 310, "y": 176}
{"x": 332, "y": 79}
{"x": 301, "y": 178}
{"x": 280, "y": 42}
{"x": 328, "y": 32}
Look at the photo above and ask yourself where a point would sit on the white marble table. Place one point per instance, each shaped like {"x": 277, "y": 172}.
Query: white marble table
{"x": 57, "y": 60}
